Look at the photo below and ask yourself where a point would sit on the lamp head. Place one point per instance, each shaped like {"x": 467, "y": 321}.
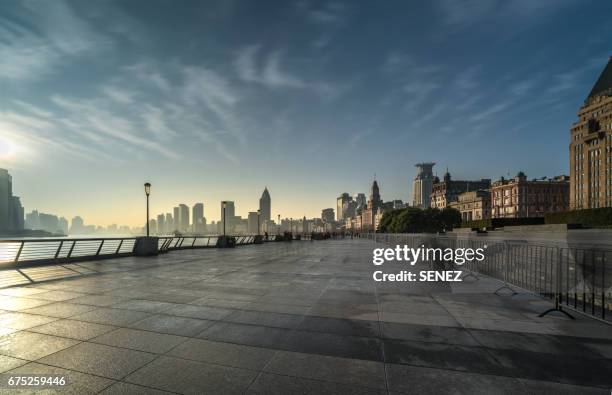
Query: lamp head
{"x": 147, "y": 187}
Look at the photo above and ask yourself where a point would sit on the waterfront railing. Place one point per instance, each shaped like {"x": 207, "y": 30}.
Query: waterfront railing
{"x": 45, "y": 251}
{"x": 573, "y": 277}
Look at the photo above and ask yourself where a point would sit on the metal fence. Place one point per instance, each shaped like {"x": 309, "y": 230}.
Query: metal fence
{"x": 573, "y": 277}
{"x": 44, "y": 251}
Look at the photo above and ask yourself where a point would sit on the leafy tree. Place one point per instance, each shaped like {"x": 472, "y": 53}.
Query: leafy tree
{"x": 450, "y": 218}
{"x": 416, "y": 220}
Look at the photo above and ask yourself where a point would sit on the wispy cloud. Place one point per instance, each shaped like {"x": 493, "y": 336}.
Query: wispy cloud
{"x": 48, "y": 35}
{"x": 330, "y": 13}
{"x": 269, "y": 70}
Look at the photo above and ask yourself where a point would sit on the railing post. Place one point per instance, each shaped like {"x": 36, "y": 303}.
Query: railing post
{"x": 19, "y": 251}
{"x": 119, "y": 247}
{"x": 71, "y": 248}
{"x": 100, "y": 248}
{"x": 59, "y": 248}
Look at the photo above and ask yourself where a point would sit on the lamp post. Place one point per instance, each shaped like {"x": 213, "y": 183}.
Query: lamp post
{"x": 258, "y": 214}
{"x": 224, "y": 204}
{"x": 147, "y": 187}
{"x": 278, "y": 228}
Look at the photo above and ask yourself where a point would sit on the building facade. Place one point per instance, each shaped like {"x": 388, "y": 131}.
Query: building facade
{"x": 327, "y": 215}
{"x": 341, "y": 203}
{"x": 591, "y": 147}
{"x": 522, "y": 198}
{"x": 198, "y": 220}
{"x": 473, "y": 205}
{"x": 265, "y": 206}
{"x": 422, "y": 185}
{"x": 448, "y": 190}
{"x": 375, "y": 203}
{"x": 184, "y": 217}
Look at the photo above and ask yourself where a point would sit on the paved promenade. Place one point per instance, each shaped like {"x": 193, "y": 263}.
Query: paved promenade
{"x": 285, "y": 318}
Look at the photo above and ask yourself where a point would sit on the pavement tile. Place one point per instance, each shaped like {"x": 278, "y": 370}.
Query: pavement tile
{"x": 421, "y": 380}
{"x": 228, "y": 354}
{"x": 121, "y": 388}
{"x": 191, "y": 377}
{"x": 100, "y": 360}
{"x": 173, "y": 325}
{"x": 79, "y": 330}
{"x": 268, "y": 383}
{"x": 200, "y": 312}
{"x": 15, "y": 303}
{"x": 251, "y": 335}
{"x": 8, "y": 363}
{"x": 77, "y": 383}
{"x": 32, "y": 346}
{"x": 342, "y": 370}
{"x": 108, "y": 316}
{"x": 157, "y": 343}
{"x": 60, "y": 309}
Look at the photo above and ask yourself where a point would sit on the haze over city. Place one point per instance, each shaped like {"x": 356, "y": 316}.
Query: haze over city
{"x": 214, "y": 101}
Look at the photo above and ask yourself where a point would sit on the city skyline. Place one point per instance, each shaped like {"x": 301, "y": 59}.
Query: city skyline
{"x": 91, "y": 109}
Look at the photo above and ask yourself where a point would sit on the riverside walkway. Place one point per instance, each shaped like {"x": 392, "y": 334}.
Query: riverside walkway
{"x": 300, "y": 317}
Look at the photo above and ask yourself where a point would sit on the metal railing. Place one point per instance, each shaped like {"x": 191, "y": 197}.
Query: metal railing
{"x": 576, "y": 278}
{"x": 63, "y": 250}
{"x": 45, "y": 251}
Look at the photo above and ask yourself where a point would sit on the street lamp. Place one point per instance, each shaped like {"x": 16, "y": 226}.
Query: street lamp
{"x": 258, "y": 214}
{"x": 147, "y": 187}
{"x": 224, "y": 204}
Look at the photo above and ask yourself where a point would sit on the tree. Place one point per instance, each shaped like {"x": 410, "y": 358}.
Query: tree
{"x": 450, "y": 218}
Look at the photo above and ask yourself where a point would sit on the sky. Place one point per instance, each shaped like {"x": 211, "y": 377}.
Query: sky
{"x": 214, "y": 100}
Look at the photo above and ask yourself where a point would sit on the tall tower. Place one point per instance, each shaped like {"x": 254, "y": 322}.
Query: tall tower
{"x": 6, "y": 200}
{"x": 591, "y": 147}
{"x": 375, "y": 201}
{"x": 422, "y": 185}
{"x": 341, "y": 202}
{"x": 265, "y": 205}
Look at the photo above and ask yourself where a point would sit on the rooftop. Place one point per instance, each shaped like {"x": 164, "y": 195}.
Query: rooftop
{"x": 286, "y": 318}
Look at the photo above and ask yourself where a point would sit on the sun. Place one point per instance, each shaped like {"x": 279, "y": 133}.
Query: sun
{"x": 7, "y": 148}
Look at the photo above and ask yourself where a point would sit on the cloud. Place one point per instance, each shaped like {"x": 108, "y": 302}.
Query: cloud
{"x": 330, "y": 13}
{"x": 269, "y": 71}
{"x": 53, "y": 35}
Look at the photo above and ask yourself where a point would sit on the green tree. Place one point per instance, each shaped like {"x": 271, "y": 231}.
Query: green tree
{"x": 450, "y": 218}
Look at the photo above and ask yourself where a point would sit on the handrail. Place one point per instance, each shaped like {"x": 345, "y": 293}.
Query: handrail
{"x": 61, "y": 250}
{"x": 578, "y": 278}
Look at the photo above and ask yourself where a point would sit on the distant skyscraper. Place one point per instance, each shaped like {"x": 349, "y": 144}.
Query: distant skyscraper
{"x": 63, "y": 225}
{"x": 375, "y": 201}
{"x": 252, "y": 222}
{"x": 327, "y": 215}
{"x": 199, "y": 223}
{"x": 183, "y": 217}
{"x": 177, "y": 219}
{"x": 422, "y": 185}
{"x": 265, "y": 206}
{"x": 169, "y": 226}
{"x": 32, "y": 220}
{"x": 340, "y": 203}
{"x": 17, "y": 214}
{"x": 230, "y": 213}
{"x": 6, "y": 200}
{"x": 77, "y": 226}
{"x": 161, "y": 224}
{"x": 360, "y": 199}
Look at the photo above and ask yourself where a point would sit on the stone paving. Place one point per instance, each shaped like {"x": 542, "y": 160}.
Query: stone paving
{"x": 301, "y": 317}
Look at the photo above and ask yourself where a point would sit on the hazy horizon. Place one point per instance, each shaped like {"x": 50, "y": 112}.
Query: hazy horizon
{"x": 215, "y": 100}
